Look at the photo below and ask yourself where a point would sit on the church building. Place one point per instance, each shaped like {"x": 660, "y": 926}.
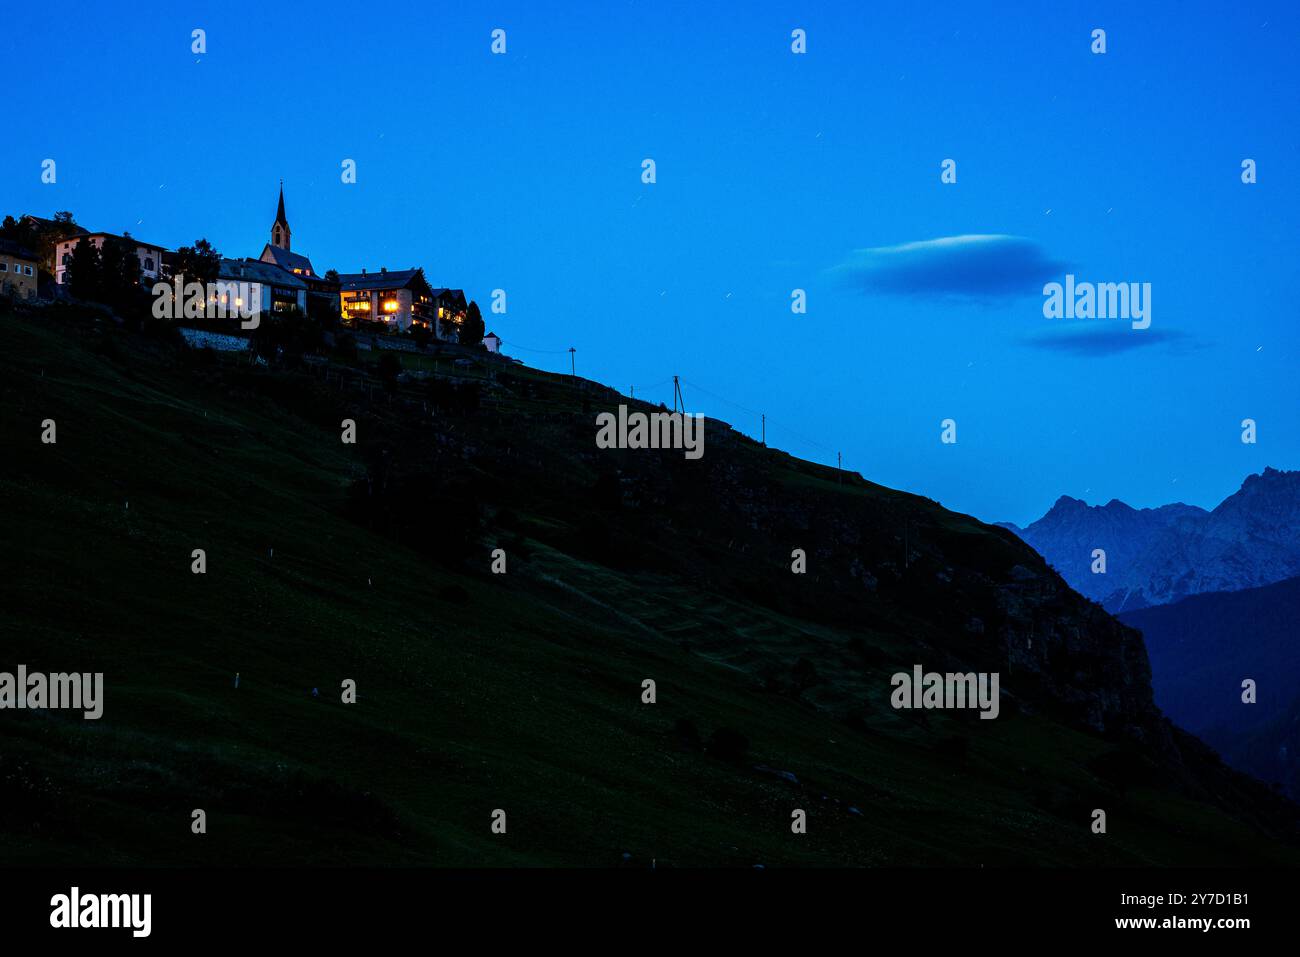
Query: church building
{"x": 322, "y": 293}
{"x": 277, "y": 251}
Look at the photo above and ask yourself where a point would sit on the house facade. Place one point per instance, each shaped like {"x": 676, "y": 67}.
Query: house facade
{"x": 278, "y": 291}
{"x": 449, "y": 308}
{"x": 151, "y": 256}
{"x": 51, "y": 228}
{"x": 400, "y": 299}
{"x": 19, "y": 269}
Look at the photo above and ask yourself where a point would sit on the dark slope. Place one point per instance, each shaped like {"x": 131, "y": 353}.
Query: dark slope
{"x": 522, "y": 691}
{"x": 1203, "y": 647}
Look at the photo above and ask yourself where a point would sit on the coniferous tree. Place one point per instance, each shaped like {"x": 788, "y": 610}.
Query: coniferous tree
{"x": 471, "y": 327}
{"x": 45, "y": 237}
{"x": 119, "y": 274}
{"x": 83, "y": 273}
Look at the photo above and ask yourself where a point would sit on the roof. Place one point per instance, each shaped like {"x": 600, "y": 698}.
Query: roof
{"x": 279, "y": 213}
{"x": 395, "y": 279}
{"x": 453, "y": 293}
{"x": 44, "y": 223}
{"x": 287, "y": 260}
{"x": 254, "y": 270}
{"x": 129, "y": 239}
{"x": 10, "y": 248}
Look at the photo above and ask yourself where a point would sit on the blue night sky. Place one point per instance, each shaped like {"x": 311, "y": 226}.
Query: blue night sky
{"x": 775, "y": 171}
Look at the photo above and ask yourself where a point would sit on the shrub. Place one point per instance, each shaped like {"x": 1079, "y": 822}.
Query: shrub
{"x": 388, "y": 369}
{"x": 728, "y": 744}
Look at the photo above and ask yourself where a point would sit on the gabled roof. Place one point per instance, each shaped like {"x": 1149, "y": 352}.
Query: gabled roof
{"x": 254, "y": 270}
{"x": 287, "y": 260}
{"x": 10, "y": 248}
{"x": 130, "y": 239}
{"x": 71, "y": 228}
{"x": 394, "y": 279}
{"x": 456, "y": 294}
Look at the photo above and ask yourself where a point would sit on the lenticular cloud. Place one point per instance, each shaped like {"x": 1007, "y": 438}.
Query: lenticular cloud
{"x": 974, "y": 266}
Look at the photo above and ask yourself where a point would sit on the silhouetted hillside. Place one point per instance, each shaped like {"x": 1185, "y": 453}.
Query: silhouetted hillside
{"x": 523, "y": 691}
{"x": 1203, "y": 647}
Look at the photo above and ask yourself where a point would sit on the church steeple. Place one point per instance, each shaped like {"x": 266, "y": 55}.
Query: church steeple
{"x": 280, "y": 230}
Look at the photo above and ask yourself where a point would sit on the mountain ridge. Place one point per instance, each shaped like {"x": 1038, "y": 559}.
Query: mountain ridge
{"x": 1203, "y": 647}
{"x": 1159, "y": 555}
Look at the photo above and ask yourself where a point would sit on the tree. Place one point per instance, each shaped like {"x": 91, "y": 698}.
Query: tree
{"x": 40, "y": 237}
{"x": 198, "y": 263}
{"x": 22, "y": 232}
{"x": 46, "y": 237}
{"x": 332, "y": 275}
{"x": 18, "y": 231}
{"x": 420, "y": 335}
{"x": 83, "y": 274}
{"x": 345, "y": 347}
{"x": 388, "y": 369}
{"x": 472, "y": 328}
{"x": 120, "y": 274}
{"x": 728, "y": 744}
{"x": 283, "y": 337}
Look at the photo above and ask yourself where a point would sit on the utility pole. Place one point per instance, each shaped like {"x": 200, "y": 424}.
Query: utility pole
{"x": 573, "y": 367}
{"x": 677, "y": 394}
{"x": 839, "y": 469}
{"x": 765, "y": 429}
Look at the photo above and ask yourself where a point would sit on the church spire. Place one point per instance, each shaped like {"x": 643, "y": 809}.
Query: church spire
{"x": 280, "y": 229}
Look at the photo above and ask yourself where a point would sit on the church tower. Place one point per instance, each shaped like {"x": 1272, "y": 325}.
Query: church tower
{"x": 280, "y": 231}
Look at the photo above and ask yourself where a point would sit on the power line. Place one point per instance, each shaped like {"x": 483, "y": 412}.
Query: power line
{"x": 764, "y": 418}
{"x": 653, "y": 385}
{"x": 548, "y": 352}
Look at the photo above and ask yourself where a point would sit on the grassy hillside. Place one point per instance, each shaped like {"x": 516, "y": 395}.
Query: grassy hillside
{"x": 522, "y": 691}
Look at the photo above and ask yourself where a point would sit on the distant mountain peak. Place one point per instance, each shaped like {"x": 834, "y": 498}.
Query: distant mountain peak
{"x": 1067, "y": 503}
{"x": 1271, "y": 476}
{"x": 1159, "y": 555}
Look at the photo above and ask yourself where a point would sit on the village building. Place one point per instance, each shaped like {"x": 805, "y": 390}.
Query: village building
{"x": 449, "y": 308}
{"x": 279, "y": 252}
{"x": 401, "y": 299}
{"x": 322, "y": 293}
{"x": 19, "y": 269}
{"x": 51, "y": 228}
{"x": 280, "y": 291}
{"x": 151, "y": 256}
